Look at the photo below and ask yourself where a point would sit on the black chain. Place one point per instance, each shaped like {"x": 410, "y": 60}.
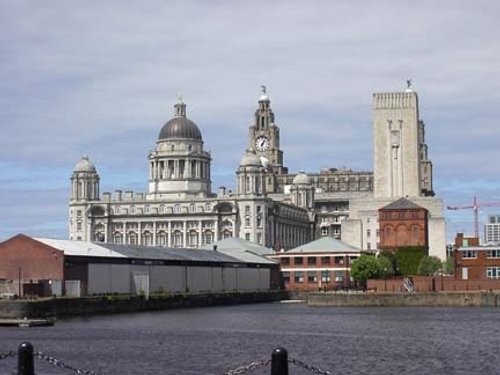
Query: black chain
{"x": 55, "y": 362}
{"x": 240, "y": 370}
{"x": 310, "y": 368}
{"x": 250, "y": 367}
{"x": 8, "y": 354}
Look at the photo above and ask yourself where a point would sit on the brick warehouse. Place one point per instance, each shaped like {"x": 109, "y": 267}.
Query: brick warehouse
{"x": 41, "y": 267}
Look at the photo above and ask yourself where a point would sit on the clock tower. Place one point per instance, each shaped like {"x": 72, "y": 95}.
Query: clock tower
{"x": 264, "y": 138}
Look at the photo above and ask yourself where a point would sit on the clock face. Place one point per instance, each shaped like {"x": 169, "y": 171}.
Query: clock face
{"x": 262, "y": 144}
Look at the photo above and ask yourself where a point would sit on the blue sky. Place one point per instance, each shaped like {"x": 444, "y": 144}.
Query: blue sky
{"x": 100, "y": 78}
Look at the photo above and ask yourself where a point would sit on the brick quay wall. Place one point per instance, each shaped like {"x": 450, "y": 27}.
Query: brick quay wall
{"x": 484, "y": 299}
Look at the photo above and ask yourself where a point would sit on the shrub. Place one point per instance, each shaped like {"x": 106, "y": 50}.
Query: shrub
{"x": 409, "y": 258}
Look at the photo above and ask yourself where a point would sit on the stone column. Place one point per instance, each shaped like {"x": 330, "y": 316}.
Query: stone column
{"x": 124, "y": 232}
{"x": 184, "y": 234}
{"x": 216, "y": 229}
{"x": 169, "y": 234}
{"x": 154, "y": 234}
{"x": 200, "y": 233}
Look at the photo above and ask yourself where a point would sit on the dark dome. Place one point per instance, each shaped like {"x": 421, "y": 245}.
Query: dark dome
{"x": 180, "y": 127}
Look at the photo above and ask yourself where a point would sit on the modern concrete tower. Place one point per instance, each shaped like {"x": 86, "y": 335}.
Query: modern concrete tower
{"x": 179, "y": 167}
{"x": 401, "y": 167}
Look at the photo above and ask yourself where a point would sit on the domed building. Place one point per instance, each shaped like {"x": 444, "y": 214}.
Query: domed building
{"x": 270, "y": 206}
{"x": 179, "y": 167}
{"x": 179, "y": 209}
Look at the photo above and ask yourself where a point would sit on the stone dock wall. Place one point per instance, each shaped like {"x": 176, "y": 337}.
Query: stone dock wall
{"x": 485, "y": 299}
{"x": 66, "y": 307}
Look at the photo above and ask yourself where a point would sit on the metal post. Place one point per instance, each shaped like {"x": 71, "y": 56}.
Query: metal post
{"x": 279, "y": 362}
{"x": 25, "y": 365}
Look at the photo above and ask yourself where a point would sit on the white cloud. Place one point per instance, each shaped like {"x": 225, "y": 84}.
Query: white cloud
{"x": 101, "y": 78}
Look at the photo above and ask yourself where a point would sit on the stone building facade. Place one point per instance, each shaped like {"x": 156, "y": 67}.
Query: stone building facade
{"x": 269, "y": 206}
{"x": 179, "y": 209}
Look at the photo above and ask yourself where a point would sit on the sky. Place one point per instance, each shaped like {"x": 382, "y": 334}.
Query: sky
{"x": 101, "y": 78}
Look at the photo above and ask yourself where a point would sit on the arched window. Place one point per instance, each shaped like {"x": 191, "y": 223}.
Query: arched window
{"x": 193, "y": 238}
{"x": 132, "y": 238}
{"x": 402, "y": 236}
{"x": 117, "y": 238}
{"x": 208, "y": 237}
{"x": 177, "y": 238}
{"x": 161, "y": 238}
{"x": 227, "y": 233}
{"x": 415, "y": 235}
{"x": 177, "y": 208}
{"x": 147, "y": 238}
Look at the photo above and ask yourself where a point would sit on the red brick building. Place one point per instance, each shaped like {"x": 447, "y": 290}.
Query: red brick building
{"x": 29, "y": 267}
{"x": 44, "y": 267}
{"x": 323, "y": 264}
{"x": 402, "y": 224}
{"x": 475, "y": 262}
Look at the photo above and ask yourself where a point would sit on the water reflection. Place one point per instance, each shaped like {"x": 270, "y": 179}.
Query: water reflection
{"x": 215, "y": 340}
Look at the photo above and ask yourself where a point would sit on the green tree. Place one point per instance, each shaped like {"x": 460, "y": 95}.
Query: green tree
{"x": 409, "y": 258}
{"x": 365, "y": 267}
{"x": 448, "y": 266}
{"x": 430, "y": 266}
{"x": 386, "y": 267}
{"x": 394, "y": 262}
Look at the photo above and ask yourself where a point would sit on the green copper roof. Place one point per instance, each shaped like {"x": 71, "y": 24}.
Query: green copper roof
{"x": 324, "y": 245}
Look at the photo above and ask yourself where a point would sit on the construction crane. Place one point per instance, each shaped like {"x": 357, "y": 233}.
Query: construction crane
{"x": 475, "y": 207}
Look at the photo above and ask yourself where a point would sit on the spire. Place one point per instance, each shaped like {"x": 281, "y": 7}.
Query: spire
{"x": 180, "y": 107}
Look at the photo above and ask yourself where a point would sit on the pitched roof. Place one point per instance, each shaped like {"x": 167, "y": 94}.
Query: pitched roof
{"x": 101, "y": 249}
{"x": 324, "y": 245}
{"x": 242, "y": 250}
{"x": 402, "y": 204}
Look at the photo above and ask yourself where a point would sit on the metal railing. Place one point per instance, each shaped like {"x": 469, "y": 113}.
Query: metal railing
{"x": 279, "y": 362}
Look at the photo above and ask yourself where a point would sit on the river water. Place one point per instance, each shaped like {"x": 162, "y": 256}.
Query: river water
{"x": 218, "y": 339}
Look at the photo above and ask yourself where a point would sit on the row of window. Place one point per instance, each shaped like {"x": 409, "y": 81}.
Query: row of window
{"x": 400, "y": 215}
{"x": 248, "y": 221}
{"x": 300, "y": 277}
{"x": 472, "y": 254}
{"x": 176, "y": 238}
{"x": 313, "y": 261}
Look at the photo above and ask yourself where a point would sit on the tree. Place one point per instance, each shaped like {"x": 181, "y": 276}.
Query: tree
{"x": 409, "y": 258}
{"x": 448, "y": 266}
{"x": 430, "y": 266}
{"x": 386, "y": 267}
{"x": 365, "y": 267}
